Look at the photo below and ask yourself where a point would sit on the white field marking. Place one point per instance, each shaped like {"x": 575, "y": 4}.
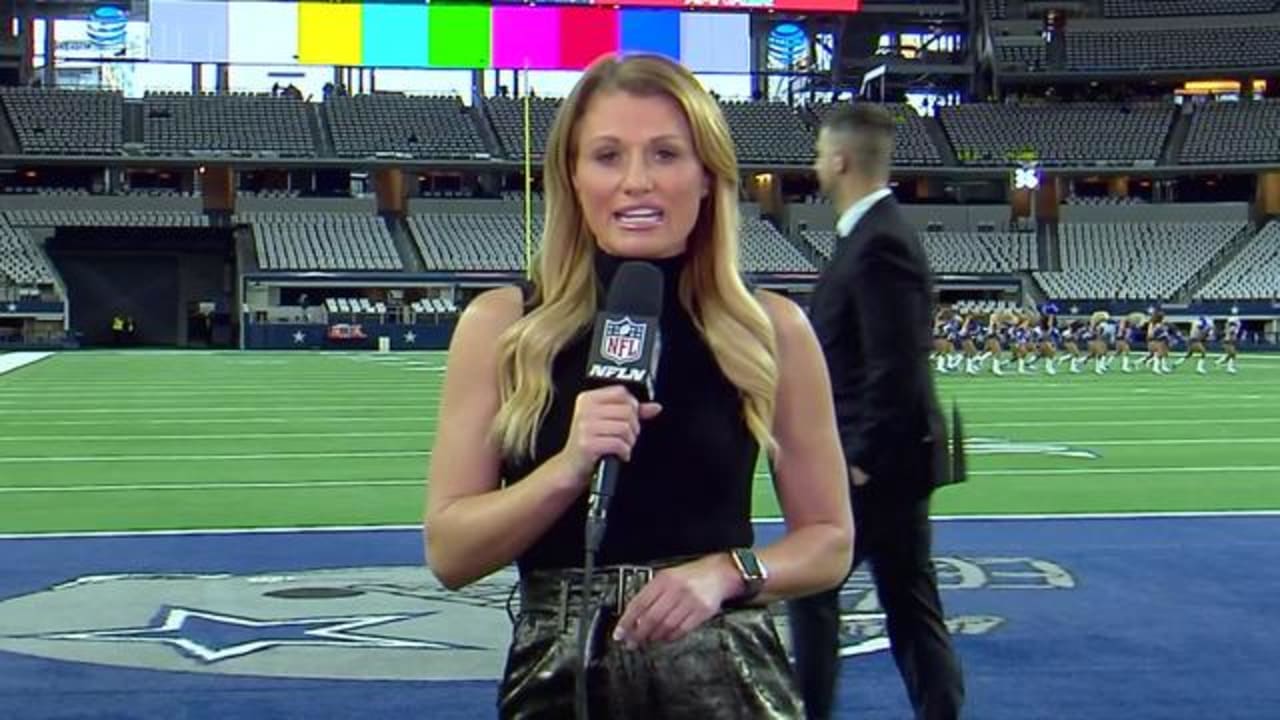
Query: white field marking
{"x": 311, "y": 529}
{"x": 1134, "y": 421}
{"x": 256, "y": 409}
{"x": 181, "y": 392}
{"x": 221, "y": 436}
{"x": 18, "y": 360}
{"x": 145, "y": 487}
{"x": 1110, "y": 442}
{"x": 388, "y": 419}
{"x": 314, "y": 484}
{"x": 215, "y": 409}
{"x": 33, "y": 459}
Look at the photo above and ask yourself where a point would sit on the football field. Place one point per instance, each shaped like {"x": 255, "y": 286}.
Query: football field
{"x": 160, "y": 440}
{"x": 212, "y": 535}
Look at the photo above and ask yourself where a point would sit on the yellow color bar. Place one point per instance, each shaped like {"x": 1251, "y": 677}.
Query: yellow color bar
{"x": 329, "y": 33}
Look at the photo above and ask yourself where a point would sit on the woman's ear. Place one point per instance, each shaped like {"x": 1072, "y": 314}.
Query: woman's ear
{"x": 706, "y": 185}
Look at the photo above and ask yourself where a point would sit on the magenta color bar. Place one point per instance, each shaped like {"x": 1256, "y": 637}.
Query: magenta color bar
{"x": 526, "y": 37}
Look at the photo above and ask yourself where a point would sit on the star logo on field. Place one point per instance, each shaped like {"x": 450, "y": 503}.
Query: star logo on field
{"x": 411, "y": 337}
{"x": 299, "y": 337}
{"x": 13, "y": 307}
{"x": 212, "y": 637}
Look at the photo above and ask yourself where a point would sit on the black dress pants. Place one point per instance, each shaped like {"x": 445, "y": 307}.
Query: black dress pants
{"x": 895, "y": 537}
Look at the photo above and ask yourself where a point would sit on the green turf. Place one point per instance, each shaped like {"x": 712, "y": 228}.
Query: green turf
{"x": 139, "y": 440}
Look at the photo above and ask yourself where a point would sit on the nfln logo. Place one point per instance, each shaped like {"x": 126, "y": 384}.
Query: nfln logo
{"x": 613, "y": 372}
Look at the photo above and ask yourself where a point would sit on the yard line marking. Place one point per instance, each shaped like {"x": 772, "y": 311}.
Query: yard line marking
{"x": 29, "y": 459}
{"x": 416, "y": 527}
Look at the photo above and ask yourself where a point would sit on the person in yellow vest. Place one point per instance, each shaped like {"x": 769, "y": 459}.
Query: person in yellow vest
{"x": 117, "y": 329}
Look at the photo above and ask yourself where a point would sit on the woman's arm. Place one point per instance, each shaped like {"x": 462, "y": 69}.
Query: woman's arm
{"x": 472, "y": 526}
{"x": 810, "y": 476}
{"x": 812, "y": 483}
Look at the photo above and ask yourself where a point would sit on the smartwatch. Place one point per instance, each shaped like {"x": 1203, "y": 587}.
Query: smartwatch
{"x": 753, "y": 572}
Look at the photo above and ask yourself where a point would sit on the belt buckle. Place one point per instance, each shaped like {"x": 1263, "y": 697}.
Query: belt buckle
{"x": 626, "y": 575}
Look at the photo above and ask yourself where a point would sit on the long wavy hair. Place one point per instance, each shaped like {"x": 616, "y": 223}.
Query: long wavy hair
{"x": 733, "y": 323}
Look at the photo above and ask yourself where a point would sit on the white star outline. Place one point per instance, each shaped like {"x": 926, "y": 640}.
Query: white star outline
{"x": 335, "y": 633}
{"x": 299, "y": 337}
{"x": 411, "y": 337}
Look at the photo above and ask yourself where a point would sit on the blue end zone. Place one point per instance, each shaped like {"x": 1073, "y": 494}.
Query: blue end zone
{"x": 1169, "y": 618}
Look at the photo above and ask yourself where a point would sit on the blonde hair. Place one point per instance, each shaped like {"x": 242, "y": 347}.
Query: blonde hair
{"x": 732, "y": 322}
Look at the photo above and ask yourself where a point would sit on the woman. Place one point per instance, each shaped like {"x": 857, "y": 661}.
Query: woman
{"x": 640, "y": 165}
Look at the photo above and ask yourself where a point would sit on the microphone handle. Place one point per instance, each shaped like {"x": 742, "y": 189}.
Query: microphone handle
{"x": 603, "y": 483}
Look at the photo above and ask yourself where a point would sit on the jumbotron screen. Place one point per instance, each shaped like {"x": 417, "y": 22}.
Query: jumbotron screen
{"x": 515, "y": 35}
{"x": 807, "y": 6}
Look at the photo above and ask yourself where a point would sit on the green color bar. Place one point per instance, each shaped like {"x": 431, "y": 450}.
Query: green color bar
{"x": 458, "y": 36}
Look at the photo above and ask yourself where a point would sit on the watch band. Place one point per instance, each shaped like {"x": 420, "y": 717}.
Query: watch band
{"x": 753, "y": 572}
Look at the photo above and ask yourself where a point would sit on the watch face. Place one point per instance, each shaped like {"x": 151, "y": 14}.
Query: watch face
{"x": 748, "y": 563}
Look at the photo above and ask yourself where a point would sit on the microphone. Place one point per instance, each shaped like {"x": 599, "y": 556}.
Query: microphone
{"x": 625, "y": 348}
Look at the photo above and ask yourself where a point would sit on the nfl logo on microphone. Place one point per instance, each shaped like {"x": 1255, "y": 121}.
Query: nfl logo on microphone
{"x": 623, "y": 340}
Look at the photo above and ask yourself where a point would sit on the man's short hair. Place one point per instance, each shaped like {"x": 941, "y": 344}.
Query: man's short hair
{"x": 860, "y": 117}
{"x": 869, "y": 128}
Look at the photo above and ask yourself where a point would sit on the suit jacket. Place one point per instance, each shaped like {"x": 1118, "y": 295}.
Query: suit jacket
{"x": 872, "y": 310}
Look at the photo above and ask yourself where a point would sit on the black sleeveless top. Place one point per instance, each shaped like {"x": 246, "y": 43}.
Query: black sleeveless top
{"x": 687, "y": 488}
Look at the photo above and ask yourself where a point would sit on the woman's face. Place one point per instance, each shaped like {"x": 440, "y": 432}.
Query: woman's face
{"x": 636, "y": 175}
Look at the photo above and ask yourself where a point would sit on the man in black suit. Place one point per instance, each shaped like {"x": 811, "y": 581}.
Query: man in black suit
{"x": 872, "y": 310}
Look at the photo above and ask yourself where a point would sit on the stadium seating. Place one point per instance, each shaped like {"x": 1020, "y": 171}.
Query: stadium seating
{"x": 434, "y": 306}
{"x": 984, "y": 307}
{"x": 105, "y": 218}
{"x": 1133, "y": 261}
{"x": 457, "y": 241}
{"x": 768, "y": 132}
{"x": 393, "y": 124}
{"x": 238, "y": 124}
{"x": 354, "y": 306}
{"x": 912, "y": 143}
{"x": 1209, "y": 47}
{"x": 21, "y": 262}
{"x": 1159, "y": 8}
{"x": 322, "y": 241}
{"x": 766, "y": 250}
{"x": 65, "y": 122}
{"x": 1254, "y": 274}
{"x": 959, "y": 252}
{"x": 1057, "y": 134}
{"x": 1247, "y": 131}
{"x": 507, "y": 117}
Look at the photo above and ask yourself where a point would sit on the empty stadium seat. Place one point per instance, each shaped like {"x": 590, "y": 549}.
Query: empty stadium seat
{"x": 472, "y": 241}
{"x": 21, "y": 261}
{"x": 1057, "y": 134}
{"x": 1161, "y": 8}
{"x": 959, "y": 252}
{"x": 239, "y": 124}
{"x": 1133, "y": 261}
{"x": 105, "y": 218}
{"x": 768, "y": 132}
{"x": 1247, "y": 131}
{"x": 65, "y": 122}
{"x": 322, "y": 241}
{"x": 1253, "y": 274}
{"x": 507, "y": 117}
{"x": 420, "y": 127}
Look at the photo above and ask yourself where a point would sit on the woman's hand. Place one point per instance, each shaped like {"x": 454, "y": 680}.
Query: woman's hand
{"x": 677, "y": 600}
{"x": 606, "y": 421}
